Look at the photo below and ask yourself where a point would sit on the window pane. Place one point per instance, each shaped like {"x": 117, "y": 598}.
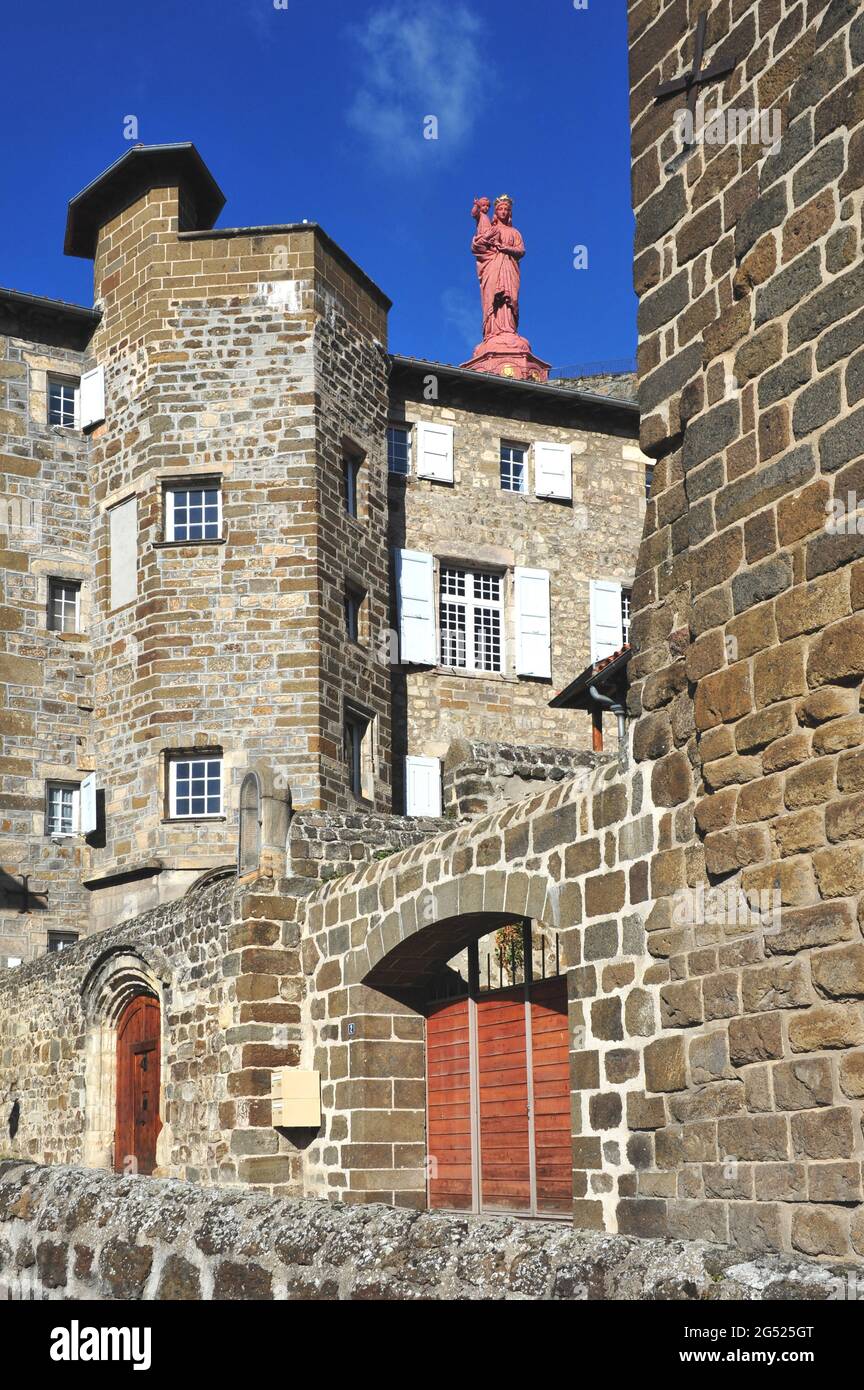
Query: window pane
{"x": 60, "y": 811}
{"x": 63, "y": 605}
{"x": 487, "y": 639}
{"x": 197, "y": 786}
{"x": 512, "y": 468}
{"x": 61, "y": 403}
{"x": 398, "y": 450}
{"x": 453, "y": 649}
{"x": 453, "y": 582}
{"x": 195, "y": 514}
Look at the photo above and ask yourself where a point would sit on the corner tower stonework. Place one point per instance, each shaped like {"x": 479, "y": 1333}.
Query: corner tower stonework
{"x": 253, "y": 362}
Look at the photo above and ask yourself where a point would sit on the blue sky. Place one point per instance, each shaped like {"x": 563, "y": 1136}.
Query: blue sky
{"x": 316, "y": 109}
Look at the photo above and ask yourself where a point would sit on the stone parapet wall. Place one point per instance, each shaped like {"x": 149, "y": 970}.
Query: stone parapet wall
{"x": 67, "y": 1233}
{"x": 325, "y": 844}
{"x": 481, "y": 777}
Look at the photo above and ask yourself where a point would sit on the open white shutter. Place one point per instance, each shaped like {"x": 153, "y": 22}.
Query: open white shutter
{"x": 607, "y": 631}
{"x": 533, "y": 623}
{"x": 87, "y": 792}
{"x": 435, "y": 452}
{"x": 553, "y": 472}
{"x": 422, "y": 786}
{"x": 92, "y": 398}
{"x": 415, "y": 592}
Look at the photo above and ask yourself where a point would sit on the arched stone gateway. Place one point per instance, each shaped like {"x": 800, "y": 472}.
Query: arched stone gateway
{"x": 379, "y": 949}
{"x": 111, "y": 993}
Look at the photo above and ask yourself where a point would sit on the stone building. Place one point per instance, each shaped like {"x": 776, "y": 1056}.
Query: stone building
{"x": 216, "y": 489}
{"x": 672, "y": 1043}
{"x": 518, "y": 502}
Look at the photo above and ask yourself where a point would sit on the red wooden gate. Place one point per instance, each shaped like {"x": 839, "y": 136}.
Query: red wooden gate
{"x": 498, "y": 1101}
{"x": 138, "y": 1071}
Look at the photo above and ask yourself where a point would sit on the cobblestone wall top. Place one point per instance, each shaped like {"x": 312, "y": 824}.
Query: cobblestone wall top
{"x": 67, "y": 1233}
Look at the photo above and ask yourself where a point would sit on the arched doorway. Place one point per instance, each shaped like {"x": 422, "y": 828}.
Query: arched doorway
{"x": 497, "y": 1078}
{"x": 123, "y": 998}
{"x": 138, "y": 1071}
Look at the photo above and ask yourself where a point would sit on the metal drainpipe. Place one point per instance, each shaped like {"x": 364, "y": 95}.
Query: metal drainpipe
{"x": 617, "y": 709}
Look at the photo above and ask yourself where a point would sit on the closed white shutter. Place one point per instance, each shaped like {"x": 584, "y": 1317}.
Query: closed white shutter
{"x": 92, "y": 399}
{"x": 553, "y": 472}
{"x": 533, "y": 623}
{"x": 435, "y": 452}
{"x": 607, "y": 631}
{"x": 123, "y": 542}
{"x": 422, "y": 786}
{"x": 415, "y": 593}
{"x": 88, "y": 804}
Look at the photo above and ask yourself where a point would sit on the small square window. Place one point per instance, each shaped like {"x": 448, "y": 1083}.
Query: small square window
{"x": 61, "y": 809}
{"x": 64, "y": 605}
{"x": 63, "y": 395}
{"x": 399, "y": 450}
{"x": 359, "y": 754}
{"x": 60, "y": 940}
{"x": 193, "y": 513}
{"x": 195, "y": 786}
{"x": 513, "y": 468}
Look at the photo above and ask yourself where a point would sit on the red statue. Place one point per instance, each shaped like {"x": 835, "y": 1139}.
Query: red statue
{"x": 499, "y": 248}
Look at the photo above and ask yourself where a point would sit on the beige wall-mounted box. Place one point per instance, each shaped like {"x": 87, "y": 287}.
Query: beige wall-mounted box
{"x": 296, "y": 1098}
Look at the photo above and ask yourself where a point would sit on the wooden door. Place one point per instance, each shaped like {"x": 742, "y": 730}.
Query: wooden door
{"x": 138, "y": 1074}
{"x": 448, "y": 1092}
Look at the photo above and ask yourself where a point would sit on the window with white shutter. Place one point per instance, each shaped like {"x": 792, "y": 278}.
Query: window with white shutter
{"x": 435, "y": 452}
{"x": 422, "y": 786}
{"x": 553, "y": 472}
{"x": 92, "y": 397}
{"x": 607, "y": 633}
{"x": 533, "y": 623}
{"x": 415, "y": 594}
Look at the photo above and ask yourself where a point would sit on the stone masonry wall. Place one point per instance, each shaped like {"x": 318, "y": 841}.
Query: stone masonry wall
{"x": 70, "y": 1234}
{"x": 747, "y": 677}
{"x": 45, "y": 676}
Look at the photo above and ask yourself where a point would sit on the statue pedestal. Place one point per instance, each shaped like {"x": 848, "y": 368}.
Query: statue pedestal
{"x": 508, "y": 354}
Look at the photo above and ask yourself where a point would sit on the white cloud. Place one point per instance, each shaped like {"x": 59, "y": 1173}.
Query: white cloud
{"x": 463, "y": 314}
{"x": 418, "y": 60}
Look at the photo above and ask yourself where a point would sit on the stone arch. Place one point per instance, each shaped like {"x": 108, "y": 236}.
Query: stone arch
{"x": 118, "y": 976}
{"x": 427, "y": 921}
